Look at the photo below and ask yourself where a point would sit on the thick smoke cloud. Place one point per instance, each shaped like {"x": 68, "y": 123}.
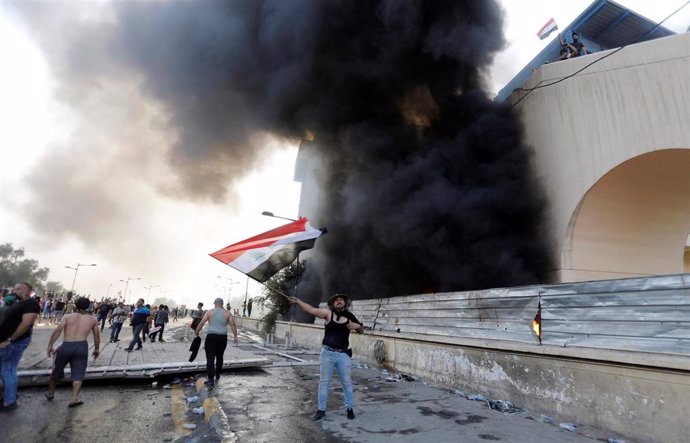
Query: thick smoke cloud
{"x": 425, "y": 181}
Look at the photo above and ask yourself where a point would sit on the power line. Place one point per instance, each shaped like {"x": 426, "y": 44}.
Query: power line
{"x": 540, "y": 86}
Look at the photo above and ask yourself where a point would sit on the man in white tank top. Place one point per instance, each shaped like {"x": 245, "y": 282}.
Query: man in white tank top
{"x": 216, "y": 341}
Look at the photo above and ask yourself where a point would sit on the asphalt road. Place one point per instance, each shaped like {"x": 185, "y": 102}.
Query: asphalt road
{"x": 274, "y": 405}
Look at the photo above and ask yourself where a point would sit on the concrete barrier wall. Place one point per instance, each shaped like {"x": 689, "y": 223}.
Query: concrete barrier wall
{"x": 581, "y": 386}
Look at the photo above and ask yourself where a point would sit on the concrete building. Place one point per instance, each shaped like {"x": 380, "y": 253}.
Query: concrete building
{"x": 612, "y": 149}
{"x": 611, "y": 145}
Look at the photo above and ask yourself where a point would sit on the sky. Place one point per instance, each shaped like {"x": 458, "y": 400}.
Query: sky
{"x": 135, "y": 224}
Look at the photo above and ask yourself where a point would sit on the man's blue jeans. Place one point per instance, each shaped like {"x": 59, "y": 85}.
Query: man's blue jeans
{"x": 136, "y": 330}
{"x": 9, "y": 360}
{"x": 341, "y": 362}
{"x": 115, "y": 330}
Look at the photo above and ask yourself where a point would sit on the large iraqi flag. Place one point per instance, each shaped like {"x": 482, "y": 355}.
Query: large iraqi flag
{"x": 547, "y": 29}
{"x": 261, "y": 256}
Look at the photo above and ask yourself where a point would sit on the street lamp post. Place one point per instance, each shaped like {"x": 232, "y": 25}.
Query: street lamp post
{"x": 229, "y": 287}
{"x": 76, "y": 270}
{"x": 126, "y": 282}
{"x": 149, "y": 289}
{"x": 108, "y": 292}
{"x": 270, "y": 214}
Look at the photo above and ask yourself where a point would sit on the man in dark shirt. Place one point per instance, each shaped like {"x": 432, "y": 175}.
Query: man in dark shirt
{"x": 103, "y": 311}
{"x": 197, "y": 316}
{"x": 59, "y": 310}
{"x": 578, "y": 45}
{"x": 15, "y": 336}
{"x": 140, "y": 317}
{"x": 339, "y": 322}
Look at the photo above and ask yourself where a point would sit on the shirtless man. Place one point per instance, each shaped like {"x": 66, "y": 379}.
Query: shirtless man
{"x": 74, "y": 349}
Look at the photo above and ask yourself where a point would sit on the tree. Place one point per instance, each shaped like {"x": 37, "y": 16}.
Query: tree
{"x": 278, "y": 305}
{"x": 14, "y": 268}
{"x": 55, "y": 286}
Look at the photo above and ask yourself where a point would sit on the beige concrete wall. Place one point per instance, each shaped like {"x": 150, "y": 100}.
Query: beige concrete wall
{"x": 615, "y": 210}
{"x": 642, "y": 404}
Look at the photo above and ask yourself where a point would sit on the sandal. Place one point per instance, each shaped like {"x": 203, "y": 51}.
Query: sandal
{"x": 50, "y": 397}
{"x": 75, "y": 404}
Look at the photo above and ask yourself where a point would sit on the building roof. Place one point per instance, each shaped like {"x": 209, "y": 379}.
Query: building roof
{"x": 603, "y": 25}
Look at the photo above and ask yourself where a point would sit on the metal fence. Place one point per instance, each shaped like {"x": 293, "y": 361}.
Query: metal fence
{"x": 650, "y": 314}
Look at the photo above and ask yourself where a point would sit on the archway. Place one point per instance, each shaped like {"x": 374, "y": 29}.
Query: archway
{"x": 634, "y": 221}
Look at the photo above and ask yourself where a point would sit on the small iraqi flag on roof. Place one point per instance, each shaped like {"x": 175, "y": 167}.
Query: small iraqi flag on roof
{"x": 263, "y": 255}
{"x": 547, "y": 29}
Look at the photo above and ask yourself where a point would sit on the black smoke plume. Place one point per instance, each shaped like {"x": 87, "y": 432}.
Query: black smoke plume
{"x": 425, "y": 181}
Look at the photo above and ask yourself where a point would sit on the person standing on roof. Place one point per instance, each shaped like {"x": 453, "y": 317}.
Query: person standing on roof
{"x": 578, "y": 45}
{"x": 336, "y": 353}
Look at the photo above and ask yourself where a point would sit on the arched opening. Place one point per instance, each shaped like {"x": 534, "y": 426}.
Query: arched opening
{"x": 634, "y": 221}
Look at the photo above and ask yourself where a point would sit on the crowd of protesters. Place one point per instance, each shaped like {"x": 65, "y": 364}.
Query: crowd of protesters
{"x": 77, "y": 317}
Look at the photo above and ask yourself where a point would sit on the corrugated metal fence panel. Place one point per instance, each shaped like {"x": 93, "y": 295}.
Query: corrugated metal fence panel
{"x": 504, "y": 314}
{"x": 650, "y": 314}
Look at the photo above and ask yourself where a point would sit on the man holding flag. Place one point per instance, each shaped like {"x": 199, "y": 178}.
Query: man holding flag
{"x": 335, "y": 353}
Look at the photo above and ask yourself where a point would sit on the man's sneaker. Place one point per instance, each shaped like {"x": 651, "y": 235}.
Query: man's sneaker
{"x": 318, "y": 415}
{"x": 129, "y": 349}
{"x": 9, "y": 407}
{"x": 136, "y": 349}
{"x": 350, "y": 414}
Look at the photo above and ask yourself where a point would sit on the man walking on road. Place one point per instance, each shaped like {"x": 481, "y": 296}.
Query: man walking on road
{"x": 103, "y": 311}
{"x": 216, "y": 338}
{"x": 197, "y": 315}
{"x": 15, "y": 336}
{"x": 159, "y": 321}
{"x": 339, "y": 322}
{"x": 118, "y": 317}
{"x": 74, "y": 349}
{"x": 140, "y": 317}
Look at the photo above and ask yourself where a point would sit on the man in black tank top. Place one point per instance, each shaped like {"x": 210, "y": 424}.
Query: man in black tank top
{"x": 336, "y": 353}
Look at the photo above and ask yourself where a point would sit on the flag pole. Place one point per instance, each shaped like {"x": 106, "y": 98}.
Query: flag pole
{"x": 276, "y": 291}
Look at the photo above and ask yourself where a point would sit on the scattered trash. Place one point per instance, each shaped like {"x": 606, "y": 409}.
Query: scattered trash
{"x": 199, "y": 410}
{"x": 154, "y": 384}
{"x": 615, "y": 440}
{"x": 504, "y": 406}
{"x": 193, "y": 399}
{"x": 547, "y": 419}
{"x": 568, "y": 427}
{"x": 190, "y": 384}
{"x": 400, "y": 377}
{"x": 461, "y": 393}
{"x": 190, "y": 378}
{"x": 189, "y": 426}
{"x": 477, "y": 397}
{"x": 306, "y": 377}
{"x": 176, "y": 381}
{"x": 167, "y": 387}
{"x": 168, "y": 439}
{"x": 167, "y": 414}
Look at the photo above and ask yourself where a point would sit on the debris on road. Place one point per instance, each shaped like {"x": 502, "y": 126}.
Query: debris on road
{"x": 568, "y": 427}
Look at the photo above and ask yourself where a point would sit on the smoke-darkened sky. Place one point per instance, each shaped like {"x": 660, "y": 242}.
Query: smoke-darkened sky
{"x": 164, "y": 113}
